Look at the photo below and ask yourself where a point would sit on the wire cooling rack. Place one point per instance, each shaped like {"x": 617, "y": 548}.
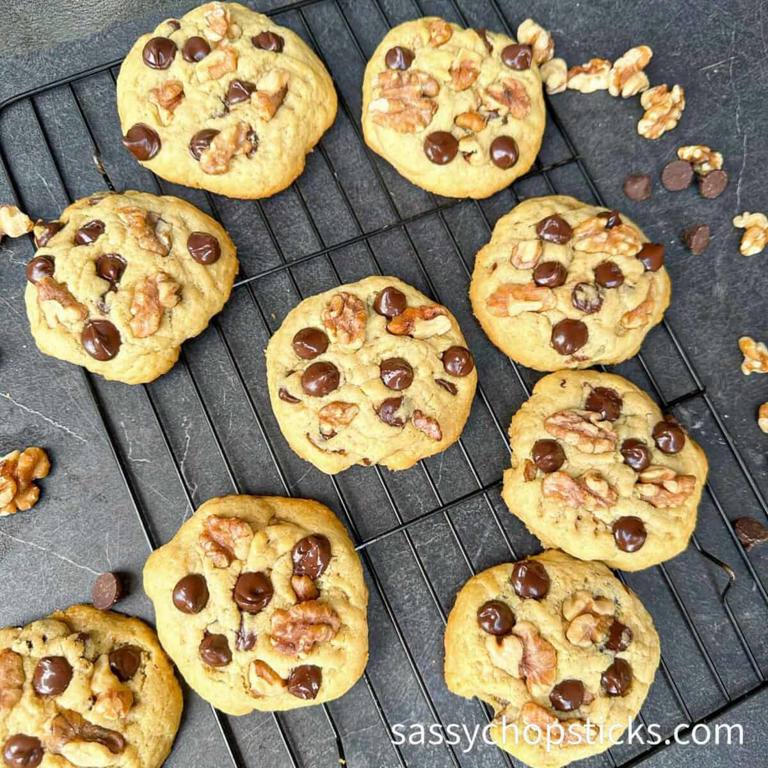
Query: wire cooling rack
{"x": 423, "y": 532}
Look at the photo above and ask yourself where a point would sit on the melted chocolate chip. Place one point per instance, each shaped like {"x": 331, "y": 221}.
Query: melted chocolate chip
{"x": 195, "y": 49}
{"x": 89, "y": 233}
{"x": 637, "y": 186}
{"x": 203, "y": 248}
{"x": 550, "y": 274}
{"x": 548, "y": 455}
{"x": 567, "y": 695}
{"x": 448, "y": 386}
{"x": 388, "y": 411}
{"x": 320, "y": 379}
{"x": 696, "y": 238}
{"x": 158, "y": 53}
{"x": 530, "y": 580}
{"x": 458, "y": 361}
{"x": 39, "y": 267}
{"x": 440, "y": 147}
{"x": 713, "y": 184}
{"x": 652, "y": 256}
{"x": 398, "y": 58}
{"x": 517, "y": 56}
{"x": 609, "y": 274}
{"x": 629, "y": 533}
{"x": 268, "y": 41}
{"x": 554, "y": 229}
{"x": 605, "y": 401}
{"x": 110, "y": 267}
{"x": 636, "y": 454}
{"x": 750, "y": 532}
{"x": 22, "y": 751}
{"x": 308, "y": 343}
{"x": 617, "y": 679}
{"x": 669, "y": 436}
{"x": 239, "y": 90}
{"x": 108, "y": 589}
{"x": 124, "y": 662}
{"x": 190, "y": 595}
{"x": 245, "y": 640}
{"x": 52, "y": 676}
{"x": 504, "y": 152}
{"x": 253, "y": 591}
{"x": 390, "y": 302}
{"x": 396, "y": 373}
{"x": 214, "y": 650}
{"x": 586, "y": 297}
{"x": 311, "y": 556}
{"x": 619, "y": 637}
{"x": 100, "y": 339}
{"x": 49, "y": 229}
{"x": 612, "y": 218}
{"x": 304, "y": 682}
{"x": 482, "y": 33}
{"x": 286, "y": 396}
{"x": 496, "y": 618}
{"x": 201, "y": 141}
{"x": 142, "y": 141}
{"x": 569, "y": 336}
{"x": 677, "y": 175}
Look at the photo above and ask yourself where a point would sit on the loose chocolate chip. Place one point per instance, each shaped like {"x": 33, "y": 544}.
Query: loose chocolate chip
{"x": 195, "y": 49}
{"x": 108, "y": 589}
{"x": 268, "y": 41}
{"x": 158, "y": 53}
{"x": 548, "y": 455}
{"x": 750, "y": 532}
{"x": 286, "y": 396}
{"x": 239, "y": 90}
{"x": 203, "y": 248}
{"x": 89, "y": 233}
{"x": 458, "y": 361}
{"x": 619, "y": 637}
{"x": 504, "y": 152}
{"x": 124, "y": 662}
{"x": 586, "y": 297}
{"x": 398, "y": 58}
{"x": 390, "y": 302}
{"x": 554, "y": 229}
{"x": 605, "y": 401}
{"x": 320, "y": 379}
{"x": 110, "y": 267}
{"x": 50, "y": 228}
{"x": 628, "y": 533}
{"x": 441, "y": 147}
{"x": 550, "y": 274}
{"x": 22, "y": 751}
{"x": 396, "y": 373}
{"x": 636, "y": 454}
{"x": 517, "y": 56}
{"x": 677, "y": 175}
{"x": 214, "y": 650}
{"x": 569, "y": 336}
{"x": 652, "y": 256}
{"x": 311, "y": 556}
{"x": 713, "y": 184}
{"x": 190, "y": 595}
{"x": 39, "y": 267}
{"x": 612, "y": 218}
{"x": 482, "y": 33}
{"x": 308, "y": 343}
{"x": 530, "y": 580}
{"x": 142, "y": 141}
{"x": 253, "y": 591}
{"x": 637, "y": 186}
{"x": 617, "y": 678}
{"x": 304, "y": 682}
{"x": 669, "y": 436}
{"x": 448, "y": 386}
{"x": 52, "y": 676}
{"x": 388, "y": 411}
{"x": 496, "y": 618}
{"x": 696, "y": 238}
{"x": 201, "y": 141}
{"x": 609, "y": 274}
{"x": 567, "y": 695}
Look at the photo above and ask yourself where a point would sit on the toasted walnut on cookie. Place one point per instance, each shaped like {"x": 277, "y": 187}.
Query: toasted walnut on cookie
{"x": 18, "y": 471}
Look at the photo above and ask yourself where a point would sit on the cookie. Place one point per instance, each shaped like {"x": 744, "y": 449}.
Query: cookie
{"x": 563, "y": 284}
{"x": 86, "y": 687}
{"x": 121, "y": 280}
{"x": 598, "y": 471}
{"x": 560, "y": 648}
{"x": 370, "y": 373}
{"x": 260, "y": 601}
{"x": 224, "y": 99}
{"x": 459, "y": 112}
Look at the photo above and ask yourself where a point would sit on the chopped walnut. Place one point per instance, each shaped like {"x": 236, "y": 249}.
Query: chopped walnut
{"x": 304, "y": 588}
{"x": 582, "y": 601}
{"x": 554, "y": 75}
{"x": 420, "y": 322}
{"x": 216, "y": 64}
{"x": 345, "y": 317}
{"x": 702, "y": 158}
{"x": 57, "y": 303}
{"x": 663, "y": 487}
{"x": 151, "y": 232}
{"x": 81, "y": 742}
{"x": 233, "y": 140}
{"x": 464, "y": 72}
{"x": 13, "y": 222}
{"x": 225, "y": 538}
{"x": 539, "y": 662}
{"x": 526, "y": 254}
{"x": 567, "y": 732}
{"x": 303, "y": 625}
{"x": 406, "y": 100}
{"x": 150, "y": 299}
{"x": 471, "y": 150}
{"x": 263, "y": 680}
{"x": 220, "y": 24}
{"x": 585, "y": 430}
{"x": 529, "y": 471}
{"x": 762, "y": 417}
{"x": 111, "y": 698}
{"x": 17, "y": 471}
{"x": 426, "y": 424}
{"x": 755, "y": 238}
{"x": 663, "y": 109}
{"x": 627, "y": 77}
{"x": 166, "y": 98}
{"x": 440, "y": 32}
{"x": 506, "y": 653}
{"x": 594, "y": 236}
{"x": 589, "y": 618}
{"x": 335, "y": 416}
{"x": 538, "y": 38}
{"x": 11, "y": 679}
{"x": 507, "y": 97}
{"x": 590, "y": 77}
{"x": 512, "y": 299}
{"x": 641, "y": 314}
{"x": 270, "y": 92}
{"x": 591, "y": 491}
{"x": 471, "y": 121}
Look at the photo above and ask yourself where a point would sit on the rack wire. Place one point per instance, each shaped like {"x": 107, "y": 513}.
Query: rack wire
{"x": 341, "y": 17}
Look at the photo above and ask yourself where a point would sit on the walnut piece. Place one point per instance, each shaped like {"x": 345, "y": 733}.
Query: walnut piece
{"x": 57, "y": 304}
{"x": 81, "y": 742}
{"x": 506, "y": 653}
{"x": 269, "y": 94}
{"x": 663, "y": 109}
{"x": 345, "y": 318}
{"x": 512, "y": 299}
{"x": 590, "y": 618}
{"x": 471, "y": 121}
{"x": 406, "y": 100}
{"x": 440, "y": 32}
{"x": 554, "y": 75}
{"x": 421, "y": 322}
{"x": 152, "y": 233}
{"x": 526, "y": 254}
{"x": 225, "y": 538}
{"x": 703, "y": 159}
{"x": 17, "y": 471}
{"x": 566, "y": 733}
{"x": 236, "y": 139}
{"x": 426, "y": 424}
{"x": 755, "y": 238}
{"x": 151, "y": 298}
{"x": 762, "y": 417}
{"x": 111, "y": 698}
{"x": 627, "y": 77}
{"x": 14, "y": 222}
{"x": 594, "y": 236}
{"x": 663, "y": 487}
{"x": 304, "y": 588}
{"x": 641, "y": 314}
{"x": 166, "y": 98}
{"x": 464, "y": 72}
{"x": 220, "y": 24}
{"x": 216, "y": 64}
{"x": 590, "y": 491}
{"x": 582, "y": 601}
{"x": 507, "y": 97}
{"x": 538, "y": 38}
{"x": 335, "y": 416}
{"x": 590, "y": 77}
{"x": 303, "y": 625}
{"x": 585, "y": 430}
{"x": 263, "y": 680}
{"x": 11, "y": 679}
{"x": 539, "y": 662}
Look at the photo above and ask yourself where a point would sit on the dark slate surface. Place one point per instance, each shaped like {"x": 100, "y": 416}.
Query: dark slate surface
{"x": 87, "y": 520}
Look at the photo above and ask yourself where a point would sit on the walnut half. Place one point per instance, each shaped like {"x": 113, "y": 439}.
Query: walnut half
{"x": 755, "y": 237}
{"x": 303, "y": 625}
{"x": 590, "y": 77}
{"x": 17, "y": 471}
{"x": 663, "y": 109}
{"x": 406, "y": 100}
{"x": 225, "y": 538}
{"x": 587, "y": 431}
{"x": 627, "y": 77}
{"x": 150, "y": 299}
{"x": 591, "y": 491}
{"x": 538, "y": 38}
{"x": 345, "y": 317}
{"x": 14, "y": 222}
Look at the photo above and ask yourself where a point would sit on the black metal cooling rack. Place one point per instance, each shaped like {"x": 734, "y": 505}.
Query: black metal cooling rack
{"x": 435, "y": 212}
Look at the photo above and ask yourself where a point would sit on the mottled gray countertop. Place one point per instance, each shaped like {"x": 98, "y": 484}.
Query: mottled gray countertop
{"x": 112, "y": 464}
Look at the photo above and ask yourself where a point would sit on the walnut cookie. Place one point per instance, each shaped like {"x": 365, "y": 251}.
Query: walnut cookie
{"x": 598, "y": 471}
{"x": 370, "y": 373}
{"x": 224, "y": 99}
{"x": 121, "y": 280}
{"x": 553, "y": 644}
{"x": 563, "y": 284}
{"x": 260, "y": 601}
{"x": 459, "y": 112}
{"x": 86, "y": 687}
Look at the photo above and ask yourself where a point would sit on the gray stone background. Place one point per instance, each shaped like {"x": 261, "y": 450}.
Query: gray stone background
{"x": 213, "y": 407}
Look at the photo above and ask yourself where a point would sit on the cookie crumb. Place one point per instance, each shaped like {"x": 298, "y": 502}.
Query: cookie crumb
{"x": 750, "y": 532}
{"x": 108, "y": 589}
{"x": 696, "y": 238}
{"x": 637, "y": 186}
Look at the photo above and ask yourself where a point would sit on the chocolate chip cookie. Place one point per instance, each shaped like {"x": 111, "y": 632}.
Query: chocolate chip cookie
{"x": 598, "y": 471}
{"x": 370, "y": 373}
{"x": 563, "y": 284}
{"x": 560, "y": 648}
{"x": 459, "y": 112}
{"x": 260, "y": 601}
{"x": 224, "y": 99}
{"x": 86, "y": 687}
{"x": 119, "y": 281}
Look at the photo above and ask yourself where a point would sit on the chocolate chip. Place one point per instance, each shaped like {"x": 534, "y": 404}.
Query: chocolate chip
{"x": 504, "y": 152}
{"x": 750, "y": 532}
{"x": 195, "y": 49}
{"x": 239, "y": 90}
{"x": 458, "y": 361}
{"x": 22, "y": 751}
{"x": 713, "y": 184}
{"x": 214, "y": 650}
{"x": 286, "y": 396}
{"x": 39, "y": 267}
{"x": 52, "y": 676}
{"x": 517, "y": 56}
{"x": 201, "y": 141}
{"x": 619, "y": 637}
{"x": 320, "y": 379}
{"x": 124, "y": 662}
{"x": 567, "y": 695}
{"x": 49, "y": 229}
{"x": 677, "y": 175}
{"x": 253, "y": 591}
{"x": 174, "y": 24}
{"x": 696, "y": 238}
{"x": 668, "y": 436}
{"x": 652, "y": 256}
{"x": 398, "y": 58}
{"x": 609, "y": 274}
{"x": 311, "y": 556}
{"x": 440, "y": 147}
{"x": 142, "y": 141}
{"x": 448, "y": 386}
{"x": 390, "y": 302}
{"x": 245, "y": 640}
{"x": 605, "y": 401}
{"x": 158, "y": 53}
{"x": 628, "y": 533}
{"x": 190, "y": 595}
{"x": 388, "y": 411}
{"x": 304, "y": 682}
{"x": 496, "y": 618}
{"x": 586, "y": 297}
{"x": 612, "y": 218}
{"x": 308, "y": 343}
{"x": 268, "y": 41}
{"x": 89, "y": 233}
{"x": 396, "y": 373}
{"x": 203, "y": 248}
{"x": 637, "y": 186}
{"x": 530, "y": 580}
{"x": 482, "y": 33}
{"x": 617, "y": 678}
{"x": 550, "y": 274}
{"x": 548, "y": 455}
{"x": 100, "y": 339}
{"x": 110, "y": 267}
{"x": 108, "y": 589}
{"x": 636, "y": 454}
{"x": 569, "y": 336}
{"x": 554, "y": 229}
